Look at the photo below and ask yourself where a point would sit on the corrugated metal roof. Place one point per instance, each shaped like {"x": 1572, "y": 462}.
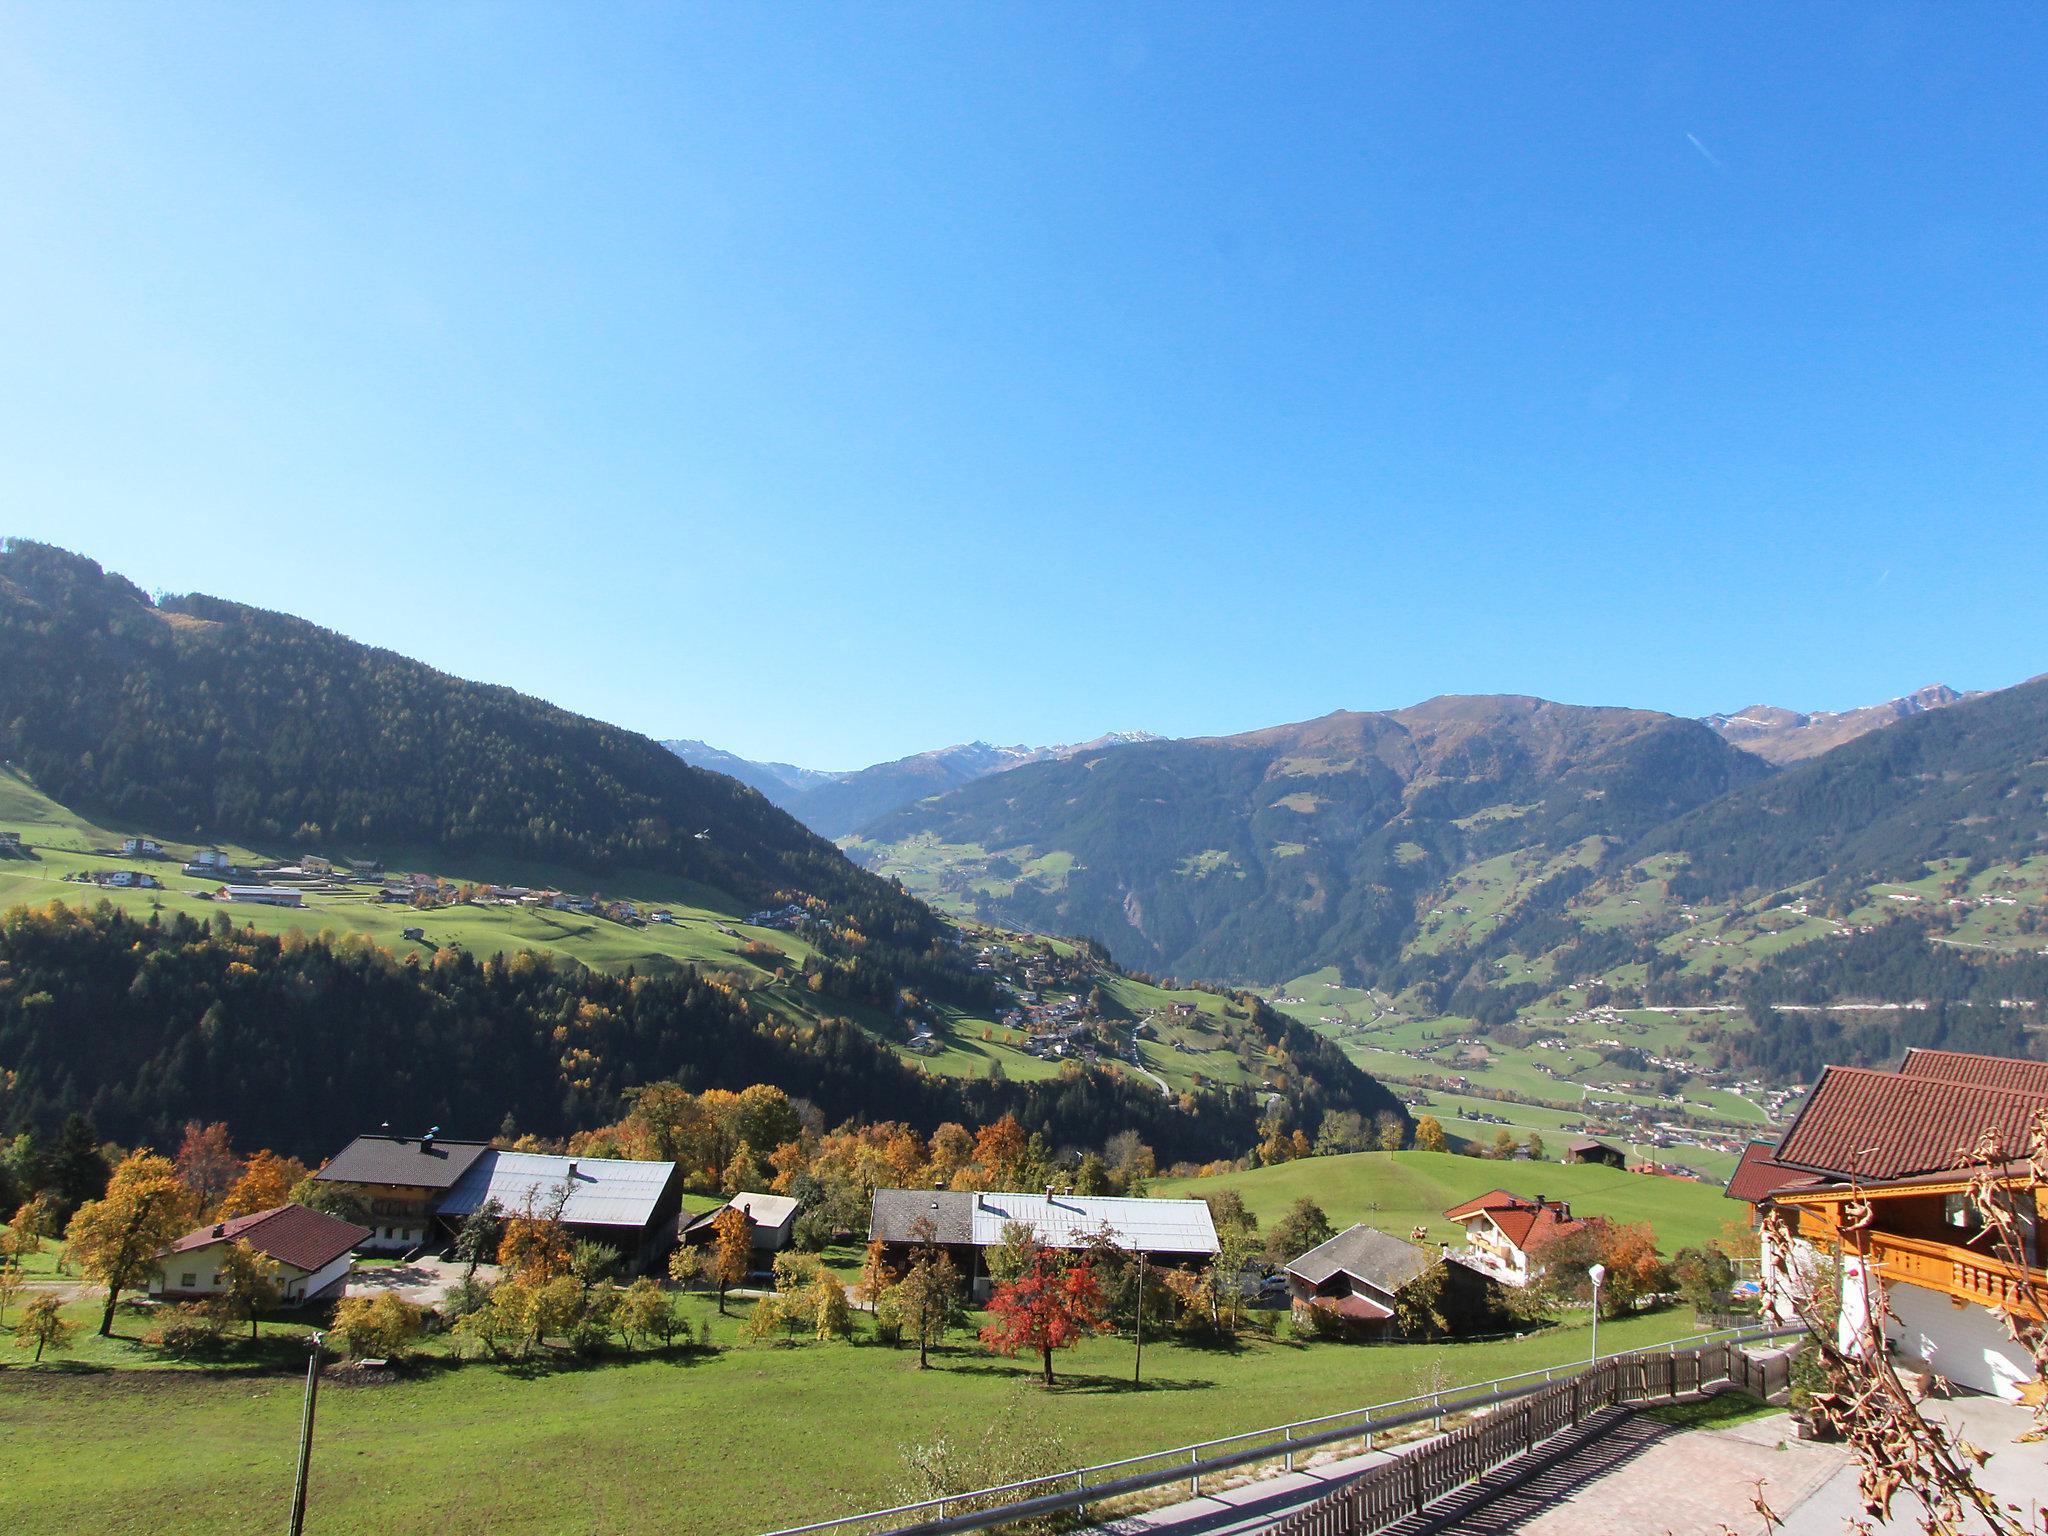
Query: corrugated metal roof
{"x": 1863, "y": 1123}
{"x": 1060, "y": 1221}
{"x": 604, "y": 1191}
{"x": 1067, "y": 1221}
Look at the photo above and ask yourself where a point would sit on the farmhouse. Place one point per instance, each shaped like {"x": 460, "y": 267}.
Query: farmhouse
{"x": 400, "y": 1179}
{"x": 313, "y": 1252}
{"x": 1585, "y": 1149}
{"x": 1895, "y": 1142}
{"x": 1353, "y": 1283}
{"x": 1501, "y": 1229}
{"x": 965, "y": 1223}
{"x": 260, "y": 895}
{"x": 627, "y": 1205}
{"x": 143, "y": 847}
{"x": 770, "y": 1221}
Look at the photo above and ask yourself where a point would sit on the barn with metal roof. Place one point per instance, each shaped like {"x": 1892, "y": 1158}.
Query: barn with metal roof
{"x": 625, "y": 1204}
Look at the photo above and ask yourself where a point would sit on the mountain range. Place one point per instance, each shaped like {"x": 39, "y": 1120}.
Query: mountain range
{"x": 1787, "y": 736}
{"x": 1382, "y": 841}
{"x": 838, "y": 804}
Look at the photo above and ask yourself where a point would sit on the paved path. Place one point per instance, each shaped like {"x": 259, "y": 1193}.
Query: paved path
{"x": 1620, "y": 1474}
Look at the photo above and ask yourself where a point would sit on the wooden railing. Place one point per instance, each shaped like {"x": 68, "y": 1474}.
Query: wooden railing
{"x": 1954, "y": 1270}
{"x": 1409, "y": 1484}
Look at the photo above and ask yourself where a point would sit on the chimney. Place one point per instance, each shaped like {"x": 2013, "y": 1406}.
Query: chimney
{"x": 384, "y": 1129}
{"x": 1048, "y": 1191}
{"x": 938, "y": 1184}
{"x": 572, "y": 1167}
{"x": 220, "y": 1229}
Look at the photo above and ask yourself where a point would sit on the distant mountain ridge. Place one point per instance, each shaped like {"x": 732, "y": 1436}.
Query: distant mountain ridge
{"x": 836, "y": 804}
{"x": 1269, "y": 854}
{"x": 1784, "y": 736}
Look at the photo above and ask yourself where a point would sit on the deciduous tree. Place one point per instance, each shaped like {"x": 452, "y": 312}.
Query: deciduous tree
{"x": 732, "y": 1250}
{"x": 206, "y": 1163}
{"x": 115, "y": 1239}
{"x": 267, "y": 1180}
{"x": 1429, "y": 1134}
{"x": 43, "y": 1324}
{"x": 1050, "y": 1306}
{"x": 1302, "y": 1228}
{"x": 249, "y": 1283}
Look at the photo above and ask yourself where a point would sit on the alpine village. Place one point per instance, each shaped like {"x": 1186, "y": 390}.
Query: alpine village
{"x": 468, "y": 1067}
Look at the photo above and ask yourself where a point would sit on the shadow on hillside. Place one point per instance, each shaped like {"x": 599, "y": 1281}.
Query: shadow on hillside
{"x": 1074, "y": 1383}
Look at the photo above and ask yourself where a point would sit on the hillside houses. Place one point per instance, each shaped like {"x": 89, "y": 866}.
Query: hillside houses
{"x": 420, "y": 1189}
{"x": 313, "y": 1251}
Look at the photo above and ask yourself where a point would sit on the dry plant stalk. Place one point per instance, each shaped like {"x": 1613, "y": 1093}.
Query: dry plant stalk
{"x": 1899, "y": 1449}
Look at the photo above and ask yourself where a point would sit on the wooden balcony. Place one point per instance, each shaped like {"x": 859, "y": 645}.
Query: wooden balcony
{"x": 1954, "y": 1270}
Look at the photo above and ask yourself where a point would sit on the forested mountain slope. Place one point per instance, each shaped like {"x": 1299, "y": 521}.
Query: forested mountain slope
{"x": 1270, "y": 854}
{"x": 146, "y": 1023}
{"x": 195, "y": 716}
{"x": 1969, "y": 781}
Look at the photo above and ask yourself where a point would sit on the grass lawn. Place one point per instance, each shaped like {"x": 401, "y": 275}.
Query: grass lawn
{"x": 749, "y": 1438}
{"x": 1716, "y": 1412}
{"x": 1397, "y": 1191}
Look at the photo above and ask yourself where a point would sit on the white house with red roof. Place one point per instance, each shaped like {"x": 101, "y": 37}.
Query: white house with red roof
{"x": 1502, "y": 1230}
{"x": 313, "y": 1252}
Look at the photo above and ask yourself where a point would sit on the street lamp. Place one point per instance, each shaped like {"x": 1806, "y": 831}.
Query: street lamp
{"x": 1597, "y": 1273}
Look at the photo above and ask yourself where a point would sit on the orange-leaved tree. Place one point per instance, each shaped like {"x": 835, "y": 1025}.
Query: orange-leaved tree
{"x": 115, "y": 1239}
{"x": 266, "y": 1181}
{"x": 732, "y": 1249}
{"x": 1049, "y": 1306}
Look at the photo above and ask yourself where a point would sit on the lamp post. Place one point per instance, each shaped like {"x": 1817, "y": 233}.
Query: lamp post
{"x": 1597, "y": 1274}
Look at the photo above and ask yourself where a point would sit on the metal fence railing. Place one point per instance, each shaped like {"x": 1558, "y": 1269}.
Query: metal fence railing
{"x": 1408, "y": 1485}
{"x": 985, "y": 1508}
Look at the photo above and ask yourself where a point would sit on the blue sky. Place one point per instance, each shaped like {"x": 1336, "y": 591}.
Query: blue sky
{"x": 831, "y": 383}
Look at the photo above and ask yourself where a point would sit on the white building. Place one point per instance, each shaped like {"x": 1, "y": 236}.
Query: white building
{"x": 313, "y": 1252}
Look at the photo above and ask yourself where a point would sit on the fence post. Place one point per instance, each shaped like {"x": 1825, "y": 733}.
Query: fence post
{"x": 1288, "y": 1435}
{"x": 1194, "y": 1478}
{"x": 1575, "y": 1404}
{"x": 1415, "y": 1482}
{"x": 1436, "y": 1401}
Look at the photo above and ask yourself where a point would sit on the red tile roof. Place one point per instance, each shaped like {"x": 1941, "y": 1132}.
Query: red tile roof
{"x": 292, "y": 1234}
{"x": 1491, "y": 1200}
{"x": 2009, "y": 1074}
{"x": 1863, "y": 1123}
{"x": 1361, "y": 1308}
{"x": 1760, "y": 1174}
{"x": 1521, "y": 1221}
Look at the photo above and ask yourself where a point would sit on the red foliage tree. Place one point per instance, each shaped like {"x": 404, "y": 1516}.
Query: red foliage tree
{"x": 1047, "y": 1307}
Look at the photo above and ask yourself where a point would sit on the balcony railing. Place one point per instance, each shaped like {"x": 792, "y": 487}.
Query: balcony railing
{"x": 1955, "y": 1270}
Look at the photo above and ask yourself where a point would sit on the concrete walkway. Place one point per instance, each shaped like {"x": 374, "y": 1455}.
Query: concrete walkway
{"x": 2017, "y": 1472}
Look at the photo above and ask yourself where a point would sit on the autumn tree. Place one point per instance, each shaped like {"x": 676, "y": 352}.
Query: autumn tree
{"x": 535, "y": 1246}
{"x": 267, "y": 1180}
{"x": 1429, "y": 1134}
{"x": 115, "y": 1239}
{"x": 383, "y": 1325}
{"x": 477, "y": 1239}
{"x": 876, "y": 1275}
{"x": 732, "y": 1250}
{"x": 1389, "y": 1132}
{"x": 1050, "y": 1306}
{"x": 249, "y": 1283}
{"x": 1302, "y": 1228}
{"x": 206, "y": 1163}
{"x": 686, "y": 1265}
{"x": 1504, "y": 1144}
{"x": 43, "y": 1325}
{"x": 10, "y": 1283}
{"x": 928, "y": 1300}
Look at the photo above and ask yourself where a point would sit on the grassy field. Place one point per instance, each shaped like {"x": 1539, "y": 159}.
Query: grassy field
{"x": 1398, "y": 1191}
{"x": 751, "y": 1437}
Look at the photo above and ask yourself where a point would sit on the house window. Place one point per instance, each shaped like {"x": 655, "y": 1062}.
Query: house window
{"x": 186, "y": 1282}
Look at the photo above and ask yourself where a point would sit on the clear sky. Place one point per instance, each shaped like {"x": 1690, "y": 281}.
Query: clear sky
{"x": 831, "y": 383}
